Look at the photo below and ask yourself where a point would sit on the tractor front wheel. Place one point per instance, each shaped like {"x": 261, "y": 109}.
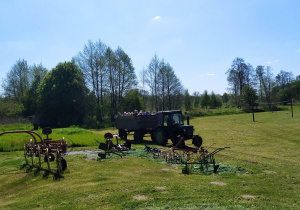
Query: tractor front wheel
{"x": 197, "y": 141}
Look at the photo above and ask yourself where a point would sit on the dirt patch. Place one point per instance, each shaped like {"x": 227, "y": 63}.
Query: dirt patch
{"x": 160, "y": 187}
{"x": 83, "y": 152}
{"x": 250, "y": 197}
{"x": 218, "y": 183}
{"x": 140, "y": 197}
{"x": 269, "y": 172}
{"x": 165, "y": 169}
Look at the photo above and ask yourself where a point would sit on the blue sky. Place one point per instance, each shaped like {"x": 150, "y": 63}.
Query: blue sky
{"x": 198, "y": 38}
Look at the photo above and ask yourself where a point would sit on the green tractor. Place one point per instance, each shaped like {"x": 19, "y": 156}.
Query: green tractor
{"x": 161, "y": 126}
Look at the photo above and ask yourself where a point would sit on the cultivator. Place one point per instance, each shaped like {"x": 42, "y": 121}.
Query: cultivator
{"x": 200, "y": 160}
{"x": 190, "y": 158}
{"x": 48, "y": 149}
{"x": 110, "y": 148}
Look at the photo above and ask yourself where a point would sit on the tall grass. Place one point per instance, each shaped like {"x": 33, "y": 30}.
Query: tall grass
{"x": 17, "y": 126}
{"x": 75, "y": 136}
{"x": 201, "y": 112}
{"x": 71, "y": 130}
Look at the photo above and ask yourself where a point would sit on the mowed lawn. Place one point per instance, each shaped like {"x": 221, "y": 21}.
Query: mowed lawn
{"x": 268, "y": 149}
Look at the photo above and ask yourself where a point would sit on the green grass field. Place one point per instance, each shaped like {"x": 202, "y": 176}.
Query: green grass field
{"x": 267, "y": 149}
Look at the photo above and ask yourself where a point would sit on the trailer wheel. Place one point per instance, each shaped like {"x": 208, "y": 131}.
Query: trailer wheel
{"x": 152, "y": 136}
{"x": 123, "y": 134}
{"x": 138, "y": 136}
{"x": 160, "y": 137}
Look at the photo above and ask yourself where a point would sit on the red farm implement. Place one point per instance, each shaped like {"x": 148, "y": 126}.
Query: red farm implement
{"x": 46, "y": 151}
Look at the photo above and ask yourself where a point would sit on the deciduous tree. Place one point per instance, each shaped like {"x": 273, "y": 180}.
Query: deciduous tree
{"x": 215, "y": 102}
{"x": 169, "y": 85}
{"x": 92, "y": 64}
{"x": 17, "y": 80}
{"x": 266, "y": 84}
{"x": 283, "y": 79}
{"x": 296, "y": 87}
{"x": 239, "y": 75}
{"x": 126, "y": 78}
{"x": 205, "y": 99}
{"x": 133, "y": 101}
{"x": 225, "y": 98}
{"x": 153, "y": 80}
{"x": 31, "y": 97}
{"x": 249, "y": 95}
{"x": 62, "y": 96}
{"x": 196, "y": 99}
{"x": 187, "y": 100}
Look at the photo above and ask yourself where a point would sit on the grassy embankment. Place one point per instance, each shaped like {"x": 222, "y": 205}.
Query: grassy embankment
{"x": 268, "y": 150}
{"x": 75, "y": 136}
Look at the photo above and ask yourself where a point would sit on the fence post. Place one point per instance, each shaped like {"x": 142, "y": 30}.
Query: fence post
{"x": 292, "y": 108}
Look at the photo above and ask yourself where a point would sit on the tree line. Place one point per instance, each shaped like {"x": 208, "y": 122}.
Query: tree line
{"x": 100, "y": 82}
{"x": 249, "y": 85}
{"x": 90, "y": 89}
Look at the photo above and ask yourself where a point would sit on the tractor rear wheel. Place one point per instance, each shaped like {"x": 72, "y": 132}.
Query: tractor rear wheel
{"x": 160, "y": 137}
{"x": 138, "y": 136}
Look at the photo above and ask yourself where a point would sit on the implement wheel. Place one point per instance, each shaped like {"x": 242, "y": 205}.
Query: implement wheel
{"x": 160, "y": 137}
{"x": 63, "y": 164}
{"x": 51, "y": 158}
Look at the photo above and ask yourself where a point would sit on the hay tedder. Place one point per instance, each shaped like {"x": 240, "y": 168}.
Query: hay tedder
{"x": 109, "y": 147}
{"x": 191, "y": 158}
{"x": 51, "y": 151}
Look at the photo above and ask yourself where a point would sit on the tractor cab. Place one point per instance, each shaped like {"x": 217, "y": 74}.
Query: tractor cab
{"x": 174, "y": 126}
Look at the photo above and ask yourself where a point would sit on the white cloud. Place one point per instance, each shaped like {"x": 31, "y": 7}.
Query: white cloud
{"x": 298, "y": 50}
{"x": 205, "y": 75}
{"x": 275, "y": 61}
{"x": 156, "y": 18}
{"x": 210, "y": 74}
